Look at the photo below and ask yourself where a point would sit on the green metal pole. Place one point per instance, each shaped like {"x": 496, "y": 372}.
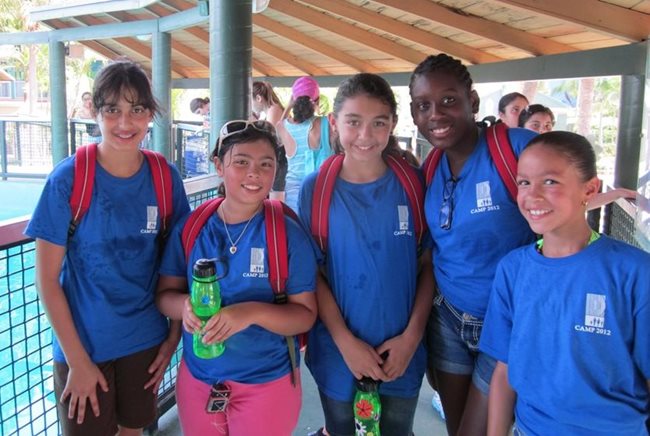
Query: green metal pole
{"x": 628, "y": 147}
{"x": 58, "y": 102}
{"x": 231, "y": 51}
{"x": 161, "y": 81}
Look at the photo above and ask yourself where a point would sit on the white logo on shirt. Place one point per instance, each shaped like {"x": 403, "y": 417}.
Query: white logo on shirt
{"x": 484, "y": 198}
{"x": 256, "y": 268}
{"x": 594, "y": 322}
{"x": 152, "y": 220}
{"x": 403, "y": 218}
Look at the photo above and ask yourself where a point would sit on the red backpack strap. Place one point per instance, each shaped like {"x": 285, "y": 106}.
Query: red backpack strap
{"x": 503, "y": 156}
{"x": 82, "y": 184}
{"x": 320, "y": 206}
{"x": 162, "y": 182}
{"x": 276, "y": 242}
{"x": 195, "y": 223}
{"x": 412, "y": 184}
{"x": 430, "y": 164}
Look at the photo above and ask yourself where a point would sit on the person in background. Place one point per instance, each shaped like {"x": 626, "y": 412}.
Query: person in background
{"x": 510, "y": 106}
{"x": 201, "y": 106}
{"x": 266, "y": 105}
{"x": 305, "y": 136}
{"x": 474, "y": 223}
{"x": 537, "y": 117}
{"x": 255, "y": 369}
{"x": 87, "y": 112}
{"x": 111, "y": 345}
{"x": 569, "y": 316}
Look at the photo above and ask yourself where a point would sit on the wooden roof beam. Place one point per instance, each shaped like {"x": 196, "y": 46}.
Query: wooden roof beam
{"x": 497, "y": 32}
{"x": 403, "y": 30}
{"x": 312, "y": 43}
{"x": 265, "y": 69}
{"x": 141, "y": 49}
{"x": 353, "y": 33}
{"x": 603, "y": 17}
{"x": 178, "y": 47}
{"x": 93, "y": 45}
{"x": 276, "y": 52}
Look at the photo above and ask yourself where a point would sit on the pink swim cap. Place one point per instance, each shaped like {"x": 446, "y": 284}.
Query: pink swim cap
{"x": 305, "y": 86}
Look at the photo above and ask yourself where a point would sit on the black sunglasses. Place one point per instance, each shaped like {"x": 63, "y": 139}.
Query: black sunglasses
{"x": 447, "y": 206}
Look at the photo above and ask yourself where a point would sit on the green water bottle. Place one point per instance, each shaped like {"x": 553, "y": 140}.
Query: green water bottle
{"x": 206, "y": 302}
{"x": 367, "y": 407}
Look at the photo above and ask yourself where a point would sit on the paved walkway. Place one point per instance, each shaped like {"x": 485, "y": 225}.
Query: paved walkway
{"x": 427, "y": 421}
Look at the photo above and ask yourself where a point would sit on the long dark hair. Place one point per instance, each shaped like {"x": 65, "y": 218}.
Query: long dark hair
{"x": 127, "y": 79}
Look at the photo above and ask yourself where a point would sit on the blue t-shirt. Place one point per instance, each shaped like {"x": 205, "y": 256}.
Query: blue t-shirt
{"x": 372, "y": 267}
{"x": 575, "y": 334}
{"x": 253, "y": 355}
{"x": 486, "y": 225}
{"x": 110, "y": 270}
{"x": 297, "y": 169}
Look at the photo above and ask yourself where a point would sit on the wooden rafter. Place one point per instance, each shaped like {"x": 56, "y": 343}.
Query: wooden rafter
{"x": 603, "y": 17}
{"x": 93, "y": 45}
{"x": 287, "y": 58}
{"x": 348, "y": 31}
{"x": 180, "y": 48}
{"x": 312, "y": 43}
{"x": 500, "y": 33}
{"x": 138, "y": 47}
{"x": 265, "y": 69}
{"x": 403, "y": 30}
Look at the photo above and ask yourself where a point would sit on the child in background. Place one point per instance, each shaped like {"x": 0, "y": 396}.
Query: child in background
{"x": 569, "y": 316}
{"x": 111, "y": 344}
{"x": 510, "y": 106}
{"x": 265, "y": 101}
{"x": 375, "y": 292}
{"x": 538, "y": 118}
{"x": 305, "y": 136}
{"x": 474, "y": 223}
{"x": 201, "y": 106}
{"x": 255, "y": 366}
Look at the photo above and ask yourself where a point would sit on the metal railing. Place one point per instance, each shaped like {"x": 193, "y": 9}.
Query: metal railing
{"x": 26, "y": 146}
{"x": 27, "y": 404}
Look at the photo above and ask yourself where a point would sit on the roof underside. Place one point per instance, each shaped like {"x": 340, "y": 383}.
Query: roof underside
{"x": 340, "y": 37}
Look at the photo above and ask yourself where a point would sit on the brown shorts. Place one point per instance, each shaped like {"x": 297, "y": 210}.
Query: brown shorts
{"x": 126, "y": 403}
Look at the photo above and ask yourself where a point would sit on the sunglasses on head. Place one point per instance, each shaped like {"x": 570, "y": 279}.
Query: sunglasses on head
{"x": 238, "y": 126}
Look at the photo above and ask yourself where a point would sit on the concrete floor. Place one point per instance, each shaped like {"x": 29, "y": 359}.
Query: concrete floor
{"x": 427, "y": 421}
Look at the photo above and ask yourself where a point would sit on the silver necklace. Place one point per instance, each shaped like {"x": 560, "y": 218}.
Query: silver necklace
{"x": 233, "y": 245}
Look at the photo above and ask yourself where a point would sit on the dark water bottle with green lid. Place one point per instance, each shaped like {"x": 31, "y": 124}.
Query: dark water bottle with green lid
{"x": 205, "y": 296}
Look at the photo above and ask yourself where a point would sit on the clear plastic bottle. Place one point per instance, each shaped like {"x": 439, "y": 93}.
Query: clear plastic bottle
{"x": 206, "y": 302}
{"x": 367, "y": 407}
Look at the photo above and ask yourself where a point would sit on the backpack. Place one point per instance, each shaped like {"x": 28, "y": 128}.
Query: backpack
{"x": 84, "y": 179}
{"x": 276, "y": 242}
{"x": 500, "y": 150}
{"x": 324, "y": 187}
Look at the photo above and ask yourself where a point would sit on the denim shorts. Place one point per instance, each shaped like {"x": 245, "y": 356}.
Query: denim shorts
{"x": 397, "y": 415}
{"x": 452, "y": 343}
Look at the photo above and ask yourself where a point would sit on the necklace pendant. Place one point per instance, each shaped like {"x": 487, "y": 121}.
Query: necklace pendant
{"x": 233, "y": 249}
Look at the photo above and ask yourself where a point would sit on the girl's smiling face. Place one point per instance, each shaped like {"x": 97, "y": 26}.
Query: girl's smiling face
{"x": 248, "y": 170}
{"x": 364, "y": 125}
{"x": 552, "y": 193}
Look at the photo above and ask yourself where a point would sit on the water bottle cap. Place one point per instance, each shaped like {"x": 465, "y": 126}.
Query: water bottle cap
{"x": 204, "y": 268}
{"x": 367, "y": 384}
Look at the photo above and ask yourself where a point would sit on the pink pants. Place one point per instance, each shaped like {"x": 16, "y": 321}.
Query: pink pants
{"x": 271, "y": 408}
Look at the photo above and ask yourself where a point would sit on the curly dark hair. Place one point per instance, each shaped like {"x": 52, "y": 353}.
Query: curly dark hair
{"x": 445, "y": 63}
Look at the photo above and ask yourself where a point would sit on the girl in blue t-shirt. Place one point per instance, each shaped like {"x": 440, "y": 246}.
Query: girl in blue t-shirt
{"x": 474, "y": 223}
{"x": 569, "y": 316}
{"x": 111, "y": 344}
{"x": 255, "y": 369}
{"x": 375, "y": 291}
